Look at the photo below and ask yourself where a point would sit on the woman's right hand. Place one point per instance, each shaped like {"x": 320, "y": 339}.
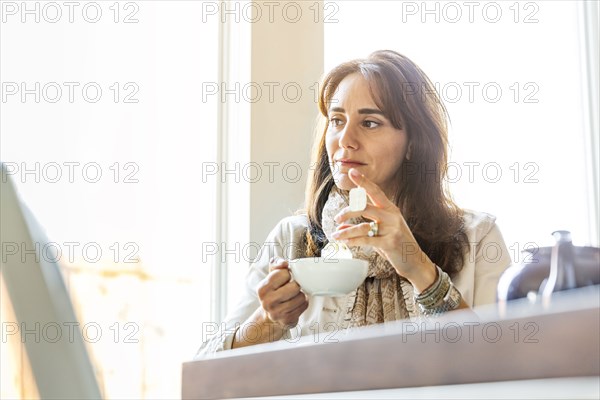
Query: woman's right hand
{"x": 280, "y": 298}
{"x": 281, "y": 304}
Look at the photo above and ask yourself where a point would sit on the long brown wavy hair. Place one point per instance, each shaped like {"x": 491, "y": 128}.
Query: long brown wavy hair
{"x": 409, "y": 100}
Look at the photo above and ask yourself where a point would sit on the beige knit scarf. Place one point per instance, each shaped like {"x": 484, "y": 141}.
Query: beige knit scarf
{"x": 384, "y": 295}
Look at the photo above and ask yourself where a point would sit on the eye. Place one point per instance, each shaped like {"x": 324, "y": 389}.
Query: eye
{"x": 371, "y": 124}
{"x": 335, "y": 122}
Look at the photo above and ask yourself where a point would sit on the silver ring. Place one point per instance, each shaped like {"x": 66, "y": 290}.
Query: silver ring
{"x": 373, "y": 229}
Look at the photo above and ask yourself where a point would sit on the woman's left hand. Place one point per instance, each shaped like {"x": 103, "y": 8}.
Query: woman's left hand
{"x": 394, "y": 240}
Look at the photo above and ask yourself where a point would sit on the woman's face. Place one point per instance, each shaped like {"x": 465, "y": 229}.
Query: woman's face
{"x": 360, "y": 136}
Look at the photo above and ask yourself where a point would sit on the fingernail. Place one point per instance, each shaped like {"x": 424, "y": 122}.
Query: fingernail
{"x": 355, "y": 173}
{"x": 272, "y": 260}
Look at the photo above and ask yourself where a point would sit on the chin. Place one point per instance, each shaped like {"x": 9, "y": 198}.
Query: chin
{"x": 343, "y": 182}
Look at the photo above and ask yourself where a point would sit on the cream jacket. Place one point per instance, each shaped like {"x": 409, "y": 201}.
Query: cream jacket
{"x": 485, "y": 261}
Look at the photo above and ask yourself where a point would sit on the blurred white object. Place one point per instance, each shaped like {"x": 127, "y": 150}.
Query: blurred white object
{"x": 358, "y": 199}
{"x": 336, "y": 250}
{"x": 61, "y": 367}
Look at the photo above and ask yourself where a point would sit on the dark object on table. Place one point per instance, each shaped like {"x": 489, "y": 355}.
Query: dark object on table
{"x": 551, "y": 269}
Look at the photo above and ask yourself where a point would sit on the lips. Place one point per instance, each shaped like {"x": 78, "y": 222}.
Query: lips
{"x": 347, "y": 162}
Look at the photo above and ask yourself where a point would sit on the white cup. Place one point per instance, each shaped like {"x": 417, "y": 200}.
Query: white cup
{"x": 328, "y": 277}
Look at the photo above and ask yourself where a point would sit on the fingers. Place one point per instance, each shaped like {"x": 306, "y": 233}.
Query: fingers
{"x": 280, "y": 298}
{"x": 364, "y": 241}
{"x": 286, "y": 312}
{"x": 370, "y": 212}
{"x": 277, "y": 263}
{"x": 283, "y": 293}
{"x": 278, "y": 295}
{"x": 273, "y": 281}
{"x": 278, "y": 274}
{"x": 374, "y": 192}
{"x": 290, "y": 308}
{"x": 292, "y": 316}
{"x": 346, "y": 232}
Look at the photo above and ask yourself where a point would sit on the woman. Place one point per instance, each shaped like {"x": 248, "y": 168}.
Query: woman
{"x": 386, "y": 132}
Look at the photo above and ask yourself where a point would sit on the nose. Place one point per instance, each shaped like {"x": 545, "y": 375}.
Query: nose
{"x": 348, "y": 137}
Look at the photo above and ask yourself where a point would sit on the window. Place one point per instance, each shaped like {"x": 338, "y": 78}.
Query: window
{"x": 106, "y": 129}
{"x": 511, "y": 76}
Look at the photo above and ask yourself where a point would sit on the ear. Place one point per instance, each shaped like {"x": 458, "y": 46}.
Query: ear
{"x": 409, "y": 152}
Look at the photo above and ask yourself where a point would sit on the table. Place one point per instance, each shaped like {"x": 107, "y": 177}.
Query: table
{"x": 533, "y": 345}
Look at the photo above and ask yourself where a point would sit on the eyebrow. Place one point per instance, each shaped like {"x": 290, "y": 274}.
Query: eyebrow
{"x": 361, "y": 111}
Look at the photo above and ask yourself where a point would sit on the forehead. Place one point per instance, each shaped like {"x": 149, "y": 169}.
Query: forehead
{"x": 353, "y": 92}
